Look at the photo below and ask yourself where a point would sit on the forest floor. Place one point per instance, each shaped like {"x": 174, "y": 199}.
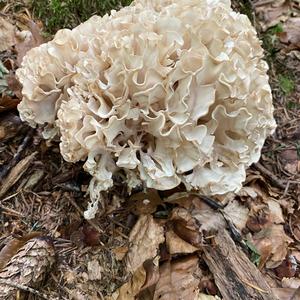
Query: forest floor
{"x": 151, "y": 244}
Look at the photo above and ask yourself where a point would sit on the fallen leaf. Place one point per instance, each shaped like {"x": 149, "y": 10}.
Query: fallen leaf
{"x": 7, "y": 34}
{"x": 186, "y": 227}
{"x": 178, "y": 279}
{"x": 10, "y": 124}
{"x": 130, "y": 289}
{"x": 271, "y": 13}
{"x": 14, "y": 85}
{"x": 209, "y": 219}
{"x": 287, "y": 268}
{"x": 13, "y": 246}
{"x": 259, "y": 219}
{"x": 30, "y": 39}
{"x": 8, "y": 103}
{"x": 237, "y": 214}
{"x": 276, "y": 215}
{"x": 292, "y": 282}
{"x": 120, "y": 252}
{"x": 289, "y": 157}
{"x": 144, "y": 240}
{"x": 273, "y": 243}
{"x": 207, "y": 297}
{"x": 177, "y": 245}
{"x": 286, "y": 293}
{"x": 291, "y": 33}
{"x": 152, "y": 277}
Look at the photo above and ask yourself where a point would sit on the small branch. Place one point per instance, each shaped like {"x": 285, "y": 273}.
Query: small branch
{"x": 18, "y": 154}
{"x": 275, "y": 180}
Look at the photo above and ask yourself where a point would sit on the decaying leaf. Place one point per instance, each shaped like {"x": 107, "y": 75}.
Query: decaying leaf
{"x": 273, "y": 243}
{"x": 130, "y": 289}
{"x": 186, "y": 227}
{"x": 179, "y": 279}
{"x": 177, "y": 245}
{"x": 207, "y": 297}
{"x": 292, "y": 282}
{"x": 287, "y": 293}
{"x": 276, "y": 215}
{"x": 13, "y": 246}
{"x": 29, "y": 39}
{"x": 209, "y": 219}
{"x": 271, "y": 13}
{"x": 7, "y": 34}
{"x": 8, "y": 103}
{"x": 237, "y": 214}
{"x": 291, "y": 33}
{"x": 144, "y": 239}
{"x": 28, "y": 267}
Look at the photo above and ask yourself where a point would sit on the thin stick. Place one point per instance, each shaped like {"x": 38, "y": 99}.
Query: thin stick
{"x": 276, "y": 181}
{"x": 24, "y": 288}
{"x": 18, "y": 154}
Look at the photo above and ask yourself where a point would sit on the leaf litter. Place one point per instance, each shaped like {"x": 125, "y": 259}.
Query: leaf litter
{"x": 150, "y": 244}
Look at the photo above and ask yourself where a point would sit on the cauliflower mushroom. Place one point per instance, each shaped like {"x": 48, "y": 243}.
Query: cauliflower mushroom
{"x": 170, "y": 91}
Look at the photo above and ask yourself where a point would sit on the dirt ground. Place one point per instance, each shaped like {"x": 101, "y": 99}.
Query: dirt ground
{"x": 142, "y": 244}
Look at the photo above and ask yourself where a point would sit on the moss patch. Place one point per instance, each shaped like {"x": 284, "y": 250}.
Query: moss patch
{"x": 57, "y": 14}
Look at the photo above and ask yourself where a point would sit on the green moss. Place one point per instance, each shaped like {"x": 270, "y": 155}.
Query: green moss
{"x": 57, "y": 14}
{"x": 286, "y": 84}
{"x": 270, "y": 41}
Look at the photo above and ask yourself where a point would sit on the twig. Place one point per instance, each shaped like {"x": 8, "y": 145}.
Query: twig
{"x": 275, "y": 180}
{"x": 18, "y": 154}
{"x": 209, "y": 201}
{"x": 24, "y": 288}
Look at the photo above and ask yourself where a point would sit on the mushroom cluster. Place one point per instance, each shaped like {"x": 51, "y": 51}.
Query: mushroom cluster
{"x": 169, "y": 91}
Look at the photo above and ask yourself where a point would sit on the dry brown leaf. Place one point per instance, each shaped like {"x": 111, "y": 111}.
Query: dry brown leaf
{"x": 186, "y": 227}
{"x": 289, "y": 157}
{"x": 286, "y": 293}
{"x": 130, "y": 289}
{"x": 152, "y": 277}
{"x": 207, "y": 297}
{"x": 144, "y": 239}
{"x": 120, "y": 252}
{"x": 10, "y": 124}
{"x": 14, "y": 85}
{"x": 287, "y": 268}
{"x": 7, "y": 34}
{"x": 178, "y": 279}
{"x": 273, "y": 243}
{"x": 291, "y": 33}
{"x": 28, "y": 267}
{"x": 237, "y": 214}
{"x": 177, "y": 245}
{"x": 13, "y": 246}
{"x": 293, "y": 282}
{"x": 8, "y": 103}
{"x": 271, "y": 13}
{"x": 30, "y": 40}
{"x": 276, "y": 215}
{"x": 208, "y": 219}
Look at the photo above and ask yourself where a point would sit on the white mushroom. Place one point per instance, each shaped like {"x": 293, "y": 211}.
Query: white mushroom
{"x": 170, "y": 91}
